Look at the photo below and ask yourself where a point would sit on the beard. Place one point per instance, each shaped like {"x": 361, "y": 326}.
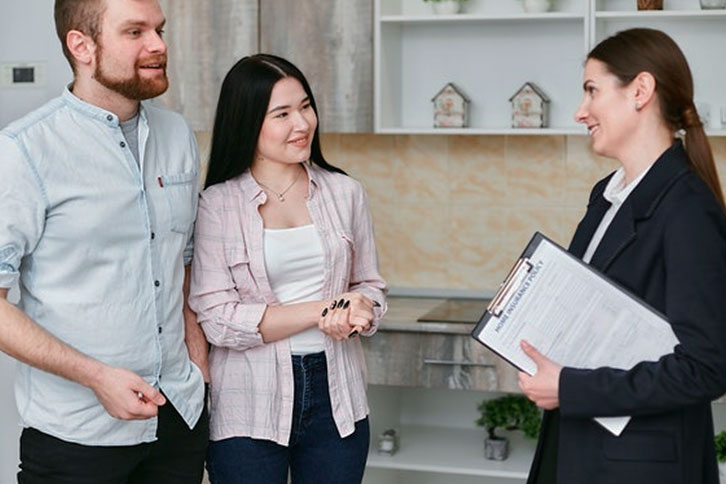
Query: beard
{"x": 133, "y": 87}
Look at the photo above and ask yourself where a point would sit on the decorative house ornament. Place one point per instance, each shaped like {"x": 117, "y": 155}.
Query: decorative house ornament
{"x": 451, "y": 107}
{"x": 530, "y": 107}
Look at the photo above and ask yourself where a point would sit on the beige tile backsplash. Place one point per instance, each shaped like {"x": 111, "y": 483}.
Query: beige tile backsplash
{"x": 453, "y": 212}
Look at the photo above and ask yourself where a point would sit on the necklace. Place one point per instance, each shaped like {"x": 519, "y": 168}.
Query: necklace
{"x": 280, "y": 195}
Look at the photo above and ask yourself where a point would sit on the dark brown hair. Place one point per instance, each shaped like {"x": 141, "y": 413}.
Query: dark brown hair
{"x": 630, "y": 52}
{"x": 82, "y": 15}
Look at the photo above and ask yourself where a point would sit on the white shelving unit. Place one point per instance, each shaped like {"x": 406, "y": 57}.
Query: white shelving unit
{"x": 493, "y": 48}
{"x": 438, "y": 439}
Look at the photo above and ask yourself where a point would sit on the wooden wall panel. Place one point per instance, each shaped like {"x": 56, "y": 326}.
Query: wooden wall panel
{"x": 205, "y": 38}
{"x": 331, "y": 41}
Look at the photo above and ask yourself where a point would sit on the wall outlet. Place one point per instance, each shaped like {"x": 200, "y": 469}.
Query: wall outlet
{"x": 23, "y": 74}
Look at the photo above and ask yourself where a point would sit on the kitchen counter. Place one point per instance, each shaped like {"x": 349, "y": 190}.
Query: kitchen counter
{"x": 404, "y": 312}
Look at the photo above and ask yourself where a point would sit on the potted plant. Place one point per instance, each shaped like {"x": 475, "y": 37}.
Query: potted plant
{"x": 446, "y": 7}
{"x": 510, "y": 412}
{"x": 720, "y": 442}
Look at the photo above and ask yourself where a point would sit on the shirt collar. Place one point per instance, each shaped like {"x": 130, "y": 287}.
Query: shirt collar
{"x": 106, "y": 117}
{"x": 616, "y": 191}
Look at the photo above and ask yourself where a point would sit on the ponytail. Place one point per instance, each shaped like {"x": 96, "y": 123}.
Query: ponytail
{"x": 700, "y": 156}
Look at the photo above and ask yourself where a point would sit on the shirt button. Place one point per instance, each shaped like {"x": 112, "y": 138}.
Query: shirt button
{"x": 153, "y": 235}
{"x": 160, "y": 329}
{"x": 109, "y": 117}
{"x": 122, "y": 144}
{"x": 157, "y": 283}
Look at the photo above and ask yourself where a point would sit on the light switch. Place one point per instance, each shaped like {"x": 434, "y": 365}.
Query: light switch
{"x": 22, "y": 74}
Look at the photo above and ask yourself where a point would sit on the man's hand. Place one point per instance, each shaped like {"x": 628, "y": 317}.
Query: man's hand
{"x": 543, "y": 387}
{"x": 125, "y": 395}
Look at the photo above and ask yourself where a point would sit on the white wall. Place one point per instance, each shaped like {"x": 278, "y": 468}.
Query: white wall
{"x": 27, "y": 34}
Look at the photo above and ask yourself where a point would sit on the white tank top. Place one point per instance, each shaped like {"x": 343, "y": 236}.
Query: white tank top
{"x": 294, "y": 264}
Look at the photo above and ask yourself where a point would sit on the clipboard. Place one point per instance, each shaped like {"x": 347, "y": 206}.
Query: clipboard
{"x": 571, "y": 313}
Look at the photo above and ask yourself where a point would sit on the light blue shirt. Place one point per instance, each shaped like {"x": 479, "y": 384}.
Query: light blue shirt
{"x": 99, "y": 245}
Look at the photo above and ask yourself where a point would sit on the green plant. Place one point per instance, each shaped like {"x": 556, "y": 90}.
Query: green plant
{"x": 511, "y": 412}
{"x": 720, "y": 441}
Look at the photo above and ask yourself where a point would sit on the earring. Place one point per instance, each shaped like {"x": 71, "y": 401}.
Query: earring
{"x": 637, "y": 106}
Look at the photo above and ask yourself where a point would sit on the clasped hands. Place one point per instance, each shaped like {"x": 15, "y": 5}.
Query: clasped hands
{"x": 347, "y": 316}
{"x": 542, "y": 387}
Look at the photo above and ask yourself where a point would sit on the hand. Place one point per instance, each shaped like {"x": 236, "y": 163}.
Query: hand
{"x": 125, "y": 395}
{"x": 198, "y": 349}
{"x": 542, "y": 387}
{"x": 349, "y": 313}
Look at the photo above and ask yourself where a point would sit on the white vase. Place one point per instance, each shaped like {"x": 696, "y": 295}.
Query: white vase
{"x": 447, "y": 7}
{"x": 722, "y": 472}
{"x": 536, "y": 6}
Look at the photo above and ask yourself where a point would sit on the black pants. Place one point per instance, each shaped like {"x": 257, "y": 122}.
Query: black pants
{"x": 176, "y": 457}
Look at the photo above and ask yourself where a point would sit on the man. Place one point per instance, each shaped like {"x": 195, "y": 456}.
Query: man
{"x": 98, "y": 198}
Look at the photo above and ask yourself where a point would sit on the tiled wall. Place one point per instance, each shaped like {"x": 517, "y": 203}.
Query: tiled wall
{"x": 456, "y": 211}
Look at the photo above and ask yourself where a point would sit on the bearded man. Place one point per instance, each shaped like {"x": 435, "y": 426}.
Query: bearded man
{"x": 98, "y": 200}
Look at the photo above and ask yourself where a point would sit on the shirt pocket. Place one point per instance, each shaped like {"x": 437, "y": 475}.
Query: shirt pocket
{"x": 178, "y": 190}
{"x": 239, "y": 266}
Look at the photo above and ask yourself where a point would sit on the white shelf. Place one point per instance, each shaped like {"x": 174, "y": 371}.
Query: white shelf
{"x": 487, "y": 131}
{"x": 515, "y": 17}
{"x": 493, "y": 48}
{"x": 673, "y": 14}
{"x": 454, "y": 451}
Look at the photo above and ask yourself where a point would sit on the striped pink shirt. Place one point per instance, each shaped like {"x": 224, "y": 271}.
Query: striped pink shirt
{"x": 252, "y": 382}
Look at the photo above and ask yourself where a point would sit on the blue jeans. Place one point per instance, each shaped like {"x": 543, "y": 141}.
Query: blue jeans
{"x": 316, "y": 453}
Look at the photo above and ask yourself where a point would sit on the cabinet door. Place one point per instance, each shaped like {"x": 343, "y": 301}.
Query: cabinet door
{"x": 394, "y": 358}
{"x": 331, "y": 41}
{"x": 460, "y": 362}
{"x": 205, "y": 38}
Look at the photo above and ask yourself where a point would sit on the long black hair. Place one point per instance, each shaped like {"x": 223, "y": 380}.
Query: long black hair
{"x": 241, "y": 109}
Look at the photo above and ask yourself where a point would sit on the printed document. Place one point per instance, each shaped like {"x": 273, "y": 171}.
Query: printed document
{"x": 573, "y": 315}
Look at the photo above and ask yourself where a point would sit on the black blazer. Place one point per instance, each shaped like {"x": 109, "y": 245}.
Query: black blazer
{"x": 667, "y": 245}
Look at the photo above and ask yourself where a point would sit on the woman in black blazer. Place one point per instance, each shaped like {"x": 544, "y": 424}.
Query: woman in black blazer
{"x": 657, "y": 227}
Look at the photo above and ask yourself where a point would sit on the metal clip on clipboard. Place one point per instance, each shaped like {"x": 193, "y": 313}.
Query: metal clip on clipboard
{"x": 509, "y": 287}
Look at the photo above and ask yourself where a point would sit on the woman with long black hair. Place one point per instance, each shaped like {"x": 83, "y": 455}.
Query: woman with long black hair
{"x": 284, "y": 281}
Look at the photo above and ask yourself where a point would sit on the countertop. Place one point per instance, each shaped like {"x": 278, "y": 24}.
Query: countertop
{"x": 404, "y": 312}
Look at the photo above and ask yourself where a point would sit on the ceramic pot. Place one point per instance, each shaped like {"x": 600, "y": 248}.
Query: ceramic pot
{"x": 722, "y": 472}
{"x": 496, "y": 449}
{"x": 650, "y": 4}
{"x": 712, "y": 4}
{"x": 447, "y": 7}
{"x": 537, "y": 6}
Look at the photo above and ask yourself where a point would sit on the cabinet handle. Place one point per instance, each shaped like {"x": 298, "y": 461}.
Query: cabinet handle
{"x": 428, "y": 361}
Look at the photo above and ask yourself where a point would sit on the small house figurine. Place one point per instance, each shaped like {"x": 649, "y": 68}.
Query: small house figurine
{"x": 451, "y": 107}
{"x": 530, "y": 107}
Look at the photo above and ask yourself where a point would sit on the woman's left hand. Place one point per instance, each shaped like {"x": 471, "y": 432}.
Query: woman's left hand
{"x": 542, "y": 387}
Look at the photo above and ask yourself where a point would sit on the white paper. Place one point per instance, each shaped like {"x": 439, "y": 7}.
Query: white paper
{"x": 577, "y": 319}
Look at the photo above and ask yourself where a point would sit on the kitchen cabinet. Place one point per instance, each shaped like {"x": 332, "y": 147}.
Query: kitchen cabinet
{"x": 205, "y": 38}
{"x": 426, "y": 380}
{"x": 494, "y": 47}
{"x": 331, "y": 41}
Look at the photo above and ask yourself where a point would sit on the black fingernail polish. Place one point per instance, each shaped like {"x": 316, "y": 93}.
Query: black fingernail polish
{"x": 353, "y": 334}
{"x": 340, "y": 303}
{"x": 346, "y": 304}
{"x": 325, "y": 311}
{"x": 376, "y": 304}
{"x": 332, "y": 305}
